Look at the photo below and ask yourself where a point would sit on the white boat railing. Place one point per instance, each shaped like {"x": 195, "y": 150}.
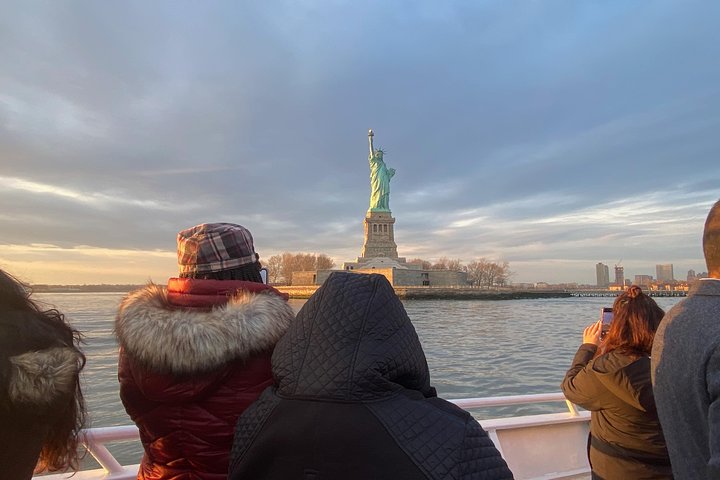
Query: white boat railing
{"x": 95, "y": 439}
{"x": 514, "y": 400}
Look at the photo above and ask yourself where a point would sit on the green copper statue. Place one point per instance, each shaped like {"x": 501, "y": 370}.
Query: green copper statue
{"x": 380, "y": 176}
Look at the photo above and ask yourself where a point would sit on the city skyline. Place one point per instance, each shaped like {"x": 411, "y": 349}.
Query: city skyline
{"x": 545, "y": 134}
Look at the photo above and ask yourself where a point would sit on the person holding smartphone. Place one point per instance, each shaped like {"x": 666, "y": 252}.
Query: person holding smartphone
{"x": 610, "y": 376}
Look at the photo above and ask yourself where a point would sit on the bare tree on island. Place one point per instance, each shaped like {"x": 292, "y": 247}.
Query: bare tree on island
{"x": 445, "y": 263}
{"x": 281, "y": 267}
{"x": 481, "y": 273}
{"x": 424, "y": 264}
{"x": 487, "y": 273}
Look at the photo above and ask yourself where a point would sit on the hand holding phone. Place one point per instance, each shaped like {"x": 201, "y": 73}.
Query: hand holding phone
{"x": 593, "y": 333}
{"x": 606, "y": 315}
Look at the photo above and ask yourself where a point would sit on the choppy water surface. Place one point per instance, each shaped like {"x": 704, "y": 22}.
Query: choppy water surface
{"x": 474, "y": 348}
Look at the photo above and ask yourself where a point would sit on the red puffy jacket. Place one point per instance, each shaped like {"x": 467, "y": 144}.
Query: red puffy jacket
{"x": 193, "y": 357}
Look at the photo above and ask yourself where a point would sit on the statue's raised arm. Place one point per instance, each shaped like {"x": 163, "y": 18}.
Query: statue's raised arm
{"x": 380, "y": 176}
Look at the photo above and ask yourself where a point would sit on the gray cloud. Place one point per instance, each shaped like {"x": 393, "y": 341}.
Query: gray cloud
{"x": 516, "y": 128}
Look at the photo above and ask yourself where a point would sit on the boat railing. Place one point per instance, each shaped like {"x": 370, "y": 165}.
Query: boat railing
{"x": 96, "y": 439}
{"x": 514, "y": 400}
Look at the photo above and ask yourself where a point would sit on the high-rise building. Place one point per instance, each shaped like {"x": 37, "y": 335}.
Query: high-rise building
{"x": 619, "y": 275}
{"x": 602, "y": 273}
{"x": 664, "y": 273}
{"x": 691, "y": 277}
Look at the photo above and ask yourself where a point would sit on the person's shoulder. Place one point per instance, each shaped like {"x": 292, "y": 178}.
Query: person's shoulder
{"x": 615, "y": 361}
{"x": 450, "y": 409}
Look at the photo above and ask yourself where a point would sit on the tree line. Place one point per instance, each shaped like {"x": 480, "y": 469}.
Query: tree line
{"x": 281, "y": 267}
{"x": 482, "y": 272}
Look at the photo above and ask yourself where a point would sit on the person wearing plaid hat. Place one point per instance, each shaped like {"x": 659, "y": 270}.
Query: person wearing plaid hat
{"x": 195, "y": 354}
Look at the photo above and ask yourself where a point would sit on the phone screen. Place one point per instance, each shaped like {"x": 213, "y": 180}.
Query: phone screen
{"x": 607, "y": 316}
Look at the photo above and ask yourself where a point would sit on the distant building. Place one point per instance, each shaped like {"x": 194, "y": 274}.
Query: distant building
{"x": 664, "y": 273}
{"x": 691, "y": 277}
{"x": 619, "y": 275}
{"x": 602, "y": 273}
{"x": 644, "y": 281}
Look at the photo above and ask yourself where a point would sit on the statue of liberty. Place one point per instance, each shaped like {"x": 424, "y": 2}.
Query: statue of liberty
{"x": 380, "y": 176}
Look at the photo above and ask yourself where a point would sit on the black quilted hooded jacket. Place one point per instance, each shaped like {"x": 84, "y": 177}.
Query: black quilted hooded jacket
{"x": 352, "y": 399}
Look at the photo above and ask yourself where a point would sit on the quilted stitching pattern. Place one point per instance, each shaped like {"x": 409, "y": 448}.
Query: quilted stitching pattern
{"x": 444, "y": 445}
{"x": 250, "y": 423}
{"x": 430, "y": 438}
{"x": 479, "y": 458}
{"x": 351, "y": 341}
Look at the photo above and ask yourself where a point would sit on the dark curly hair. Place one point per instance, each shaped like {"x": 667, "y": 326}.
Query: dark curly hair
{"x": 248, "y": 273}
{"x": 60, "y": 448}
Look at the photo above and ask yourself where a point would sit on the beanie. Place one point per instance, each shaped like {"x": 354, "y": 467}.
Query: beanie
{"x": 213, "y": 247}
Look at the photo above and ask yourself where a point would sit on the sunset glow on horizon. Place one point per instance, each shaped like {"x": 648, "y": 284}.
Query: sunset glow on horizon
{"x": 551, "y": 135}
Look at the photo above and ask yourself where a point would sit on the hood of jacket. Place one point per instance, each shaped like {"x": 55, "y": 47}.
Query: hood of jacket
{"x": 41, "y": 377}
{"x": 163, "y": 336}
{"x": 351, "y": 341}
{"x": 38, "y": 361}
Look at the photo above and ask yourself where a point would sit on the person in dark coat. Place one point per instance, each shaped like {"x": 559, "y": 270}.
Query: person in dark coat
{"x": 686, "y": 367}
{"x": 352, "y": 399}
{"x": 194, "y": 355}
{"x": 611, "y": 378}
{"x": 41, "y": 403}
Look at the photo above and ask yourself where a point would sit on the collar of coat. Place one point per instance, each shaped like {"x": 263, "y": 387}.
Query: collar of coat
{"x": 41, "y": 377}
{"x": 156, "y": 332}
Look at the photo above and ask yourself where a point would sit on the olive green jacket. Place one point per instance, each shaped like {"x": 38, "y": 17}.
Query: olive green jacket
{"x": 626, "y": 438}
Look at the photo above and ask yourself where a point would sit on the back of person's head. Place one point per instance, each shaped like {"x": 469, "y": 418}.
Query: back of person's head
{"x": 218, "y": 251}
{"x": 14, "y": 295}
{"x": 60, "y": 447}
{"x": 711, "y": 241}
{"x": 351, "y": 340}
{"x": 636, "y": 317}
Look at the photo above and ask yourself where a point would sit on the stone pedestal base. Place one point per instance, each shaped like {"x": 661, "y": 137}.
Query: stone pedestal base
{"x": 379, "y": 236}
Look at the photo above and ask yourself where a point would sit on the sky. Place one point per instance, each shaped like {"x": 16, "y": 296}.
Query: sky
{"x": 549, "y": 134}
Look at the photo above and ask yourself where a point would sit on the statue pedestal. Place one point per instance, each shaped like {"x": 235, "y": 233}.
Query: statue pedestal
{"x": 379, "y": 236}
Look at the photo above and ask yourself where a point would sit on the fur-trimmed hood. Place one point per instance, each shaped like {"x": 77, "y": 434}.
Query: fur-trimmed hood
{"x": 167, "y": 338}
{"x": 39, "y": 378}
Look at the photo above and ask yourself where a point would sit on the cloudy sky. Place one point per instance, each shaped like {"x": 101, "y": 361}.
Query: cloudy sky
{"x": 551, "y": 134}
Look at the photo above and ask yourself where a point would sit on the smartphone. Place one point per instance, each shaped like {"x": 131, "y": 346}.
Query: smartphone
{"x": 264, "y": 275}
{"x": 607, "y": 316}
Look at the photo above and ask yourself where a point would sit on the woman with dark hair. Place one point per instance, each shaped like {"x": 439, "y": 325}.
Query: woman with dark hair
{"x": 610, "y": 376}
{"x": 41, "y": 404}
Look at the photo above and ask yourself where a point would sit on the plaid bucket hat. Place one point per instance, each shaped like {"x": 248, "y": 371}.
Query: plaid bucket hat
{"x": 213, "y": 247}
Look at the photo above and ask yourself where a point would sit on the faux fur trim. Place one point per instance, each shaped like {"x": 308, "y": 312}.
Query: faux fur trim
{"x": 41, "y": 377}
{"x": 178, "y": 340}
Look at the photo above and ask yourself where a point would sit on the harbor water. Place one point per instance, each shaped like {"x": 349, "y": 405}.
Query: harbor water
{"x": 474, "y": 348}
